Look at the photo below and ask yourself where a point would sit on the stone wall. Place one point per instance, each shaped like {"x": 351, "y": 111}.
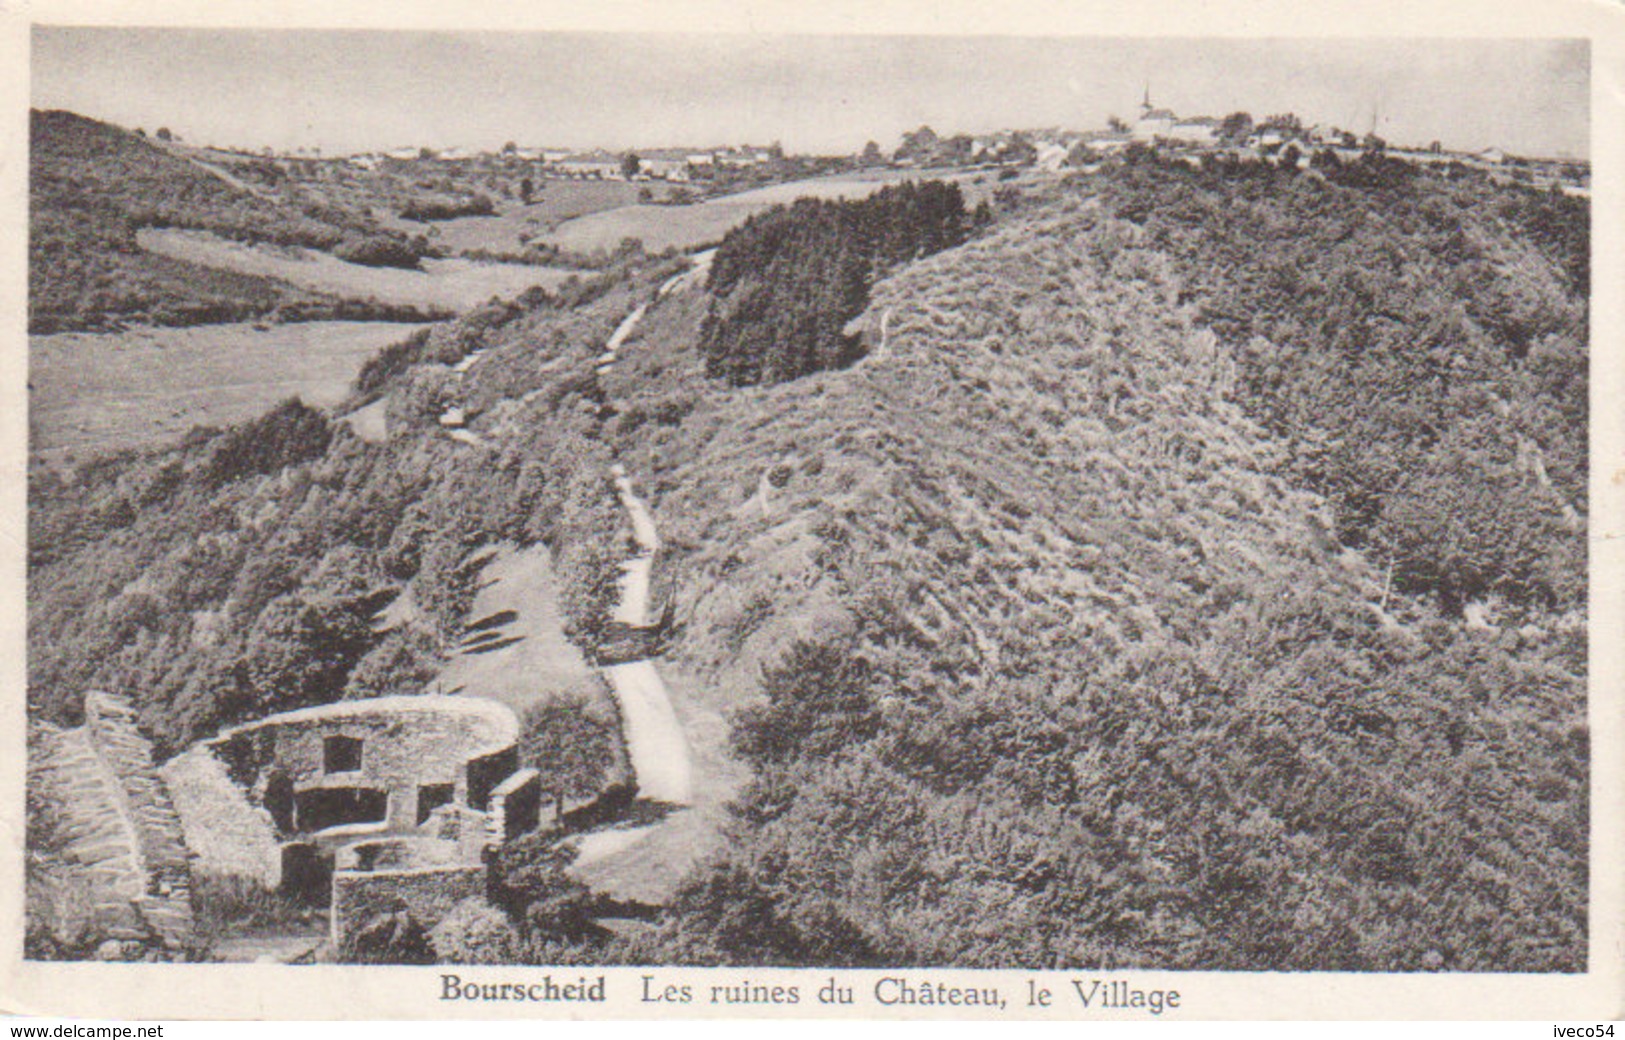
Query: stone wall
{"x": 123, "y": 840}
{"x": 515, "y": 806}
{"x": 429, "y": 895}
{"x": 230, "y": 836}
{"x": 407, "y": 743}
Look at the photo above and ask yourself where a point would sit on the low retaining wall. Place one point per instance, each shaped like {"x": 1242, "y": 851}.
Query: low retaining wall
{"x": 428, "y": 895}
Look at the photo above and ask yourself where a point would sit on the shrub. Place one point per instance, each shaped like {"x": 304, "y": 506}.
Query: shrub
{"x": 381, "y": 251}
{"x": 388, "y": 936}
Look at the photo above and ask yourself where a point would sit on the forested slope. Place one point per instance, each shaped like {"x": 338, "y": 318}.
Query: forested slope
{"x": 239, "y": 573}
{"x": 1418, "y": 342}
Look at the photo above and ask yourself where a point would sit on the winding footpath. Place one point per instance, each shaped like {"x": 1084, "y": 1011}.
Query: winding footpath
{"x": 654, "y": 738}
{"x": 655, "y": 742}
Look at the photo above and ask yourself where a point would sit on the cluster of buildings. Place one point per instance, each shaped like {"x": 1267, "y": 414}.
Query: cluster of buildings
{"x": 1050, "y": 149}
{"x": 669, "y": 164}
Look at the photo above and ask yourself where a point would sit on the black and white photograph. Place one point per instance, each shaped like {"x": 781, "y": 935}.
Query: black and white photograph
{"x": 580, "y": 500}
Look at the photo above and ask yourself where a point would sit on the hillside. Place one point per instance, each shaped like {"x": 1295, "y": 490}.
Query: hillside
{"x": 93, "y": 186}
{"x": 1187, "y": 571}
{"x": 1077, "y": 675}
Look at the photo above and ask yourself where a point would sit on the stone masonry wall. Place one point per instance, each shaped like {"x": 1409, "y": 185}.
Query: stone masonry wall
{"x": 429, "y": 895}
{"x": 124, "y": 840}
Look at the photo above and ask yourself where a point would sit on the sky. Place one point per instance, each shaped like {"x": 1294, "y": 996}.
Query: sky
{"x": 350, "y": 91}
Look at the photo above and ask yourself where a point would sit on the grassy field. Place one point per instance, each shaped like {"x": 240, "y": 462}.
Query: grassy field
{"x": 684, "y": 227}
{"x": 515, "y": 224}
{"x": 115, "y": 390}
{"x": 457, "y": 284}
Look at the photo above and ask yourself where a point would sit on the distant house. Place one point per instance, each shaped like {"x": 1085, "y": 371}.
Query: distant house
{"x": 1052, "y": 155}
{"x": 1201, "y": 130}
{"x": 1267, "y": 140}
{"x": 1493, "y": 156}
{"x": 1154, "y": 124}
{"x": 739, "y": 157}
{"x": 1107, "y": 141}
{"x": 597, "y": 165}
{"x": 668, "y": 164}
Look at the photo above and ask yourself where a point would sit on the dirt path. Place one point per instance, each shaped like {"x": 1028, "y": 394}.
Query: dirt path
{"x": 654, "y": 738}
{"x": 645, "y": 861}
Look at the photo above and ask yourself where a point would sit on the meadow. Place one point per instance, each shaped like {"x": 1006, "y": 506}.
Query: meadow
{"x": 515, "y": 223}
{"x": 454, "y": 283}
{"x": 99, "y": 391}
{"x": 687, "y": 227}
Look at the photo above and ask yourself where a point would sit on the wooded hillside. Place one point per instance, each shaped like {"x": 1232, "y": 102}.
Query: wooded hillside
{"x": 1065, "y": 667}
{"x": 1193, "y": 578}
{"x": 785, "y": 283}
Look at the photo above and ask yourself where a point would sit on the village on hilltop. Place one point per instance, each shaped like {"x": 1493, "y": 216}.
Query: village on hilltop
{"x": 702, "y": 171}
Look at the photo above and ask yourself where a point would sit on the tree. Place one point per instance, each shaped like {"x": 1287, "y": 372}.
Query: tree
{"x": 389, "y": 936}
{"x": 1235, "y": 127}
{"x": 527, "y": 188}
{"x": 288, "y": 434}
{"x": 1020, "y": 150}
{"x": 819, "y": 701}
{"x": 475, "y": 932}
{"x": 299, "y": 652}
{"x": 568, "y": 746}
{"x": 871, "y": 155}
{"x": 528, "y": 879}
{"x": 1116, "y": 125}
{"x": 1325, "y": 160}
{"x": 919, "y": 145}
{"x": 164, "y": 134}
{"x": 403, "y": 662}
{"x": 1286, "y": 122}
{"x": 630, "y": 164}
{"x": 1081, "y": 155}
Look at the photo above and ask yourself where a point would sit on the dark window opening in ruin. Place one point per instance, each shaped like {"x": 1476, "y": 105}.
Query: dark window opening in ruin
{"x": 366, "y": 856}
{"x": 341, "y": 754}
{"x": 307, "y": 874}
{"x": 432, "y": 797}
{"x": 484, "y": 774}
{"x": 279, "y": 801}
{"x": 322, "y": 807}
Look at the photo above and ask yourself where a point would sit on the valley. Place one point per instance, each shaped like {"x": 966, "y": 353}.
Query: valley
{"x": 970, "y": 567}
